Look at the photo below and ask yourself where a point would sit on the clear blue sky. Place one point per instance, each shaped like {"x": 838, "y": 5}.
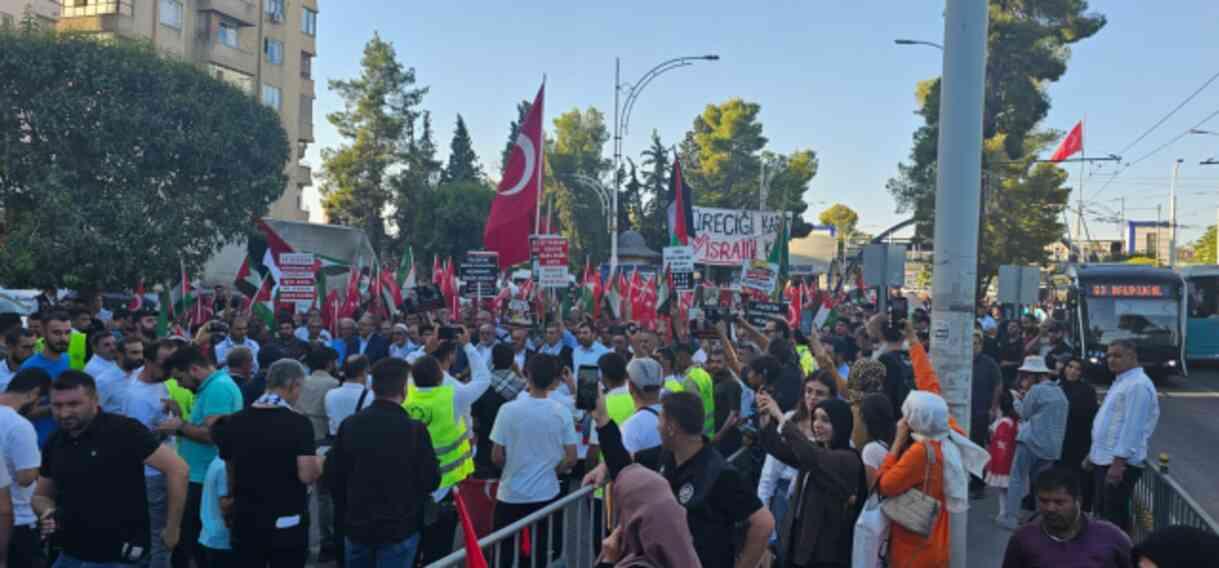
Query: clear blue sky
{"x": 827, "y": 75}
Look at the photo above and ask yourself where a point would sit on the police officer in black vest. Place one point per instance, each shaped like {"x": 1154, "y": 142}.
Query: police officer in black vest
{"x": 715, "y": 496}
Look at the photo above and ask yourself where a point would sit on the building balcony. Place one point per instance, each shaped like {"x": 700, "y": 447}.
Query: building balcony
{"x": 95, "y": 16}
{"x": 304, "y": 131}
{"x": 303, "y": 176}
{"x": 307, "y": 87}
{"x": 235, "y": 58}
{"x": 243, "y": 11}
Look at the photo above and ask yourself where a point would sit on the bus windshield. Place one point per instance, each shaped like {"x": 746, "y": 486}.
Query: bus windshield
{"x": 1148, "y": 321}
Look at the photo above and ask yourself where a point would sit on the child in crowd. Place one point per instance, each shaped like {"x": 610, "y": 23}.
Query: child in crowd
{"x": 1002, "y": 447}
{"x": 214, "y": 537}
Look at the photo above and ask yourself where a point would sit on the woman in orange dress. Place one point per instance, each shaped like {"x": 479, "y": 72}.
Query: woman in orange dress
{"x": 925, "y": 429}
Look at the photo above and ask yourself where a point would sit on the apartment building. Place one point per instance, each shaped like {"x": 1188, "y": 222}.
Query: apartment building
{"x": 12, "y": 11}
{"x": 264, "y": 47}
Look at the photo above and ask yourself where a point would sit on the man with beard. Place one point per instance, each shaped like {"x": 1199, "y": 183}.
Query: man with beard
{"x": 286, "y": 341}
{"x": 112, "y": 384}
{"x": 146, "y": 400}
{"x": 20, "y": 344}
{"x": 19, "y": 448}
{"x": 1064, "y": 535}
{"x": 146, "y": 324}
{"x": 91, "y": 492}
{"x": 103, "y": 344}
{"x": 237, "y": 338}
{"x": 53, "y": 359}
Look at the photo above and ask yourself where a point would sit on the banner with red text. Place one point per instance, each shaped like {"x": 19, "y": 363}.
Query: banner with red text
{"x": 729, "y": 237}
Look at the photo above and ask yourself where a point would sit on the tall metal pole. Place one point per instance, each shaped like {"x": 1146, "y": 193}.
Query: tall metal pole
{"x": 1172, "y": 214}
{"x": 958, "y": 184}
{"x": 613, "y": 223}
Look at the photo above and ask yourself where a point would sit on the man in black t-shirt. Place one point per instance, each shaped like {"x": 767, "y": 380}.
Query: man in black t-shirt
{"x": 270, "y": 456}
{"x": 91, "y": 495}
{"x": 716, "y": 497}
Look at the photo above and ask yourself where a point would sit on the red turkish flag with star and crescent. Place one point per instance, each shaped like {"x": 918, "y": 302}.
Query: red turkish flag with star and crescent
{"x": 514, "y": 210}
{"x": 1072, "y": 144}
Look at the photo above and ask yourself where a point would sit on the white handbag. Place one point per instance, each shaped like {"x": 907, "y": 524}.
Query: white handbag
{"x": 915, "y": 510}
{"x": 871, "y": 541}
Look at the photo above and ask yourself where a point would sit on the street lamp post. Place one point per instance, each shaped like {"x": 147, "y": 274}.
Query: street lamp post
{"x": 918, "y": 42}
{"x": 1210, "y": 162}
{"x": 623, "y": 105}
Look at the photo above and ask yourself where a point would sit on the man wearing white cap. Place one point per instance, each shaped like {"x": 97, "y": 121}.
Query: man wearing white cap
{"x": 639, "y": 432}
{"x": 1043, "y": 425}
{"x": 400, "y": 345}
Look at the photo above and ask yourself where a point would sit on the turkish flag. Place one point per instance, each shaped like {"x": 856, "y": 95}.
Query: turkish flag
{"x": 514, "y": 210}
{"x": 1073, "y": 143}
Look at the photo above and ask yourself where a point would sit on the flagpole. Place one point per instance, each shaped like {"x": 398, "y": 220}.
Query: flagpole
{"x": 541, "y": 150}
{"x": 1079, "y": 223}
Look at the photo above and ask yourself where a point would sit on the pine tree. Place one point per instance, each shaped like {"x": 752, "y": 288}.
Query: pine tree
{"x": 463, "y": 162}
{"x": 514, "y": 128}
{"x": 655, "y": 182}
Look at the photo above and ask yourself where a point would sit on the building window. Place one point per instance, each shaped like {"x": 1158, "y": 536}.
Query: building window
{"x": 171, "y": 13}
{"x": 274, "y": 50}
{"x": 309, "y": 22}
{"x": 306, "y": 65}
{"x": 275, "y": 10}
{"x": 271, "y": 96}
{"x": 227, "y": 33}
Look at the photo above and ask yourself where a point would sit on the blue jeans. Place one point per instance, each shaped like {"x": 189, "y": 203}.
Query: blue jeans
{"x": 66, "y": 561}
{"x": 1025, "y": 468}
{"x": 158, "y": 513}
{"x": 394, "y": 555}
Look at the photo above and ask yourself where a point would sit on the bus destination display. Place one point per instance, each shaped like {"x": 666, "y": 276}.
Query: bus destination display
{"x": 1128, "y": 291}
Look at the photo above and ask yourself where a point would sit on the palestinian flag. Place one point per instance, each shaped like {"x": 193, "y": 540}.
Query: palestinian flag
{"x": 391, "y": 293}
{"x": 262, "y": 257}
{"x": 665, "y": 295}
{"x": 778, "y": 252}
{"x": 826, "y": 316}
{"x": 261, "y": 305}
{"x": 612, "y": 298}
{"x": 406, "y": 276}
{"x": 680, "y": 209}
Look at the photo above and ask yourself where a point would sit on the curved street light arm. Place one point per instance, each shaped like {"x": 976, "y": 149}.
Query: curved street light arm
{"x": 637, "y": 88}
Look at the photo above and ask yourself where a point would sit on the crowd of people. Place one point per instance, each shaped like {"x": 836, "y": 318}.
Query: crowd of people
{"x": 255, "y": 444}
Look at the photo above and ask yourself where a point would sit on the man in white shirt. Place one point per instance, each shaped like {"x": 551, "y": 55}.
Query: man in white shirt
{"x": 520, "y": 347}
{"x": 644, "y": 381}
{"x": 486, "y": 340}
{"x": 587, "y": 351}
{"x": 313, "y": 331}
{"x": 104, "y": 353}
{"x": 21, "y": 460}
{"x": 146, "y": 400}
{"x": 399, "y": 343}
{"x": 535, "y": 440}
{"x": 112, "y": 385}
{"x": 1120, "y": 433}
{"x": 352, "y": 396}
{"x": 237, "y": 338}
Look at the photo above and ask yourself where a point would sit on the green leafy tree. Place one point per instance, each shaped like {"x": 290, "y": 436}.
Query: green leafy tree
{"x": 514, "y": 128}
{"x": 722, "y": 158}
{"x": 578, "y": 147}
{"x": 630, "y": 200}
{"x": 115, "y": 162}
{"x": 463, "y": 162}
{"x": 653, "y": 224}
{"x": 1028, "y": 47}
{"x": 450, "y": 219}
{"x": 412, "y": 183}
{"x": 844, "y": 220}
{"x": 379, "y": 108}
{"x": 1204, "y": 247}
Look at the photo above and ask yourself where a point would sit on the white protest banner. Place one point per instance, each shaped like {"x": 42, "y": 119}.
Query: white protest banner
{"x": 679, "y": 261}
{"x": 729, "y": 237}
{"x": 298, "y": 278}
{"x": 551, "y": 254}
{"x": 760, "y": 275}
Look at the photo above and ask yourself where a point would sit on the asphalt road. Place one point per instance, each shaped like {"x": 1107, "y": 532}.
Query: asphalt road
{"x": 1188, "y": 432}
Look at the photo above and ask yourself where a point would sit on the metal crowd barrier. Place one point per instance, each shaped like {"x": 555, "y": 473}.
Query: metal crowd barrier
{"x": 1159, "y": 501}
{"x": 572, "y": 520}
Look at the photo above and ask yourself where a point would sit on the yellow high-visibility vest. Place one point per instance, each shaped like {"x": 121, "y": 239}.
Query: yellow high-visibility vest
{"x": 450, "y": 438}
{"x": 619, "y": 406}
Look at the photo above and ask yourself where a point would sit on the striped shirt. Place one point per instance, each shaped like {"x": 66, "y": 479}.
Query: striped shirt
{"x": 1126, "y": 420}
{"x": 1043, "y": 417}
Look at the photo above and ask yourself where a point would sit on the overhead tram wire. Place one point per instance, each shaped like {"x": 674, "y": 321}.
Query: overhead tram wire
{"x": 1159, "y": 148}
{"x": 1169, "y": 115}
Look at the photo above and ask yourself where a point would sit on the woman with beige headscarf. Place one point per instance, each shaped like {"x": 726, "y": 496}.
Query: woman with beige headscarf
{"x": 926, "y": 433}
{"x": 652, "y": 531}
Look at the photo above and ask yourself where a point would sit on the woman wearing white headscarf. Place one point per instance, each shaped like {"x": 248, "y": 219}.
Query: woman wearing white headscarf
{"x": 926, "y": 429}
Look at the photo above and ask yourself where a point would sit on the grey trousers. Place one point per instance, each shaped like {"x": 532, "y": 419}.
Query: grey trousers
{"x": 1025, "y": 468}
{"x": 158, "y": 509}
